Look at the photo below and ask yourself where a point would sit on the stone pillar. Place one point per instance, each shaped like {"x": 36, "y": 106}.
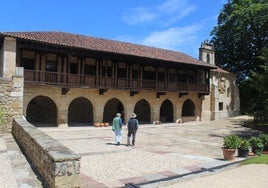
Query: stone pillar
{"x": 205, "y": 108}
{"x": 176, "y": 114}
{"x": 98, "y": 113}
{"x": 8, "y": 57}
{"x": 62, "y": 118}
{"x": 129, "y": 109}
{"x": 155, "y": 114}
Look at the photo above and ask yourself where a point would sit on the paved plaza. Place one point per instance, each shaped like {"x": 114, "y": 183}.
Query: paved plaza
{"x": 162, "y": 157}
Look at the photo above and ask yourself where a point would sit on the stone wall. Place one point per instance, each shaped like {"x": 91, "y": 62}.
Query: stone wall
{"x": 11, "y": 99}
{"x": 56, "y": 164}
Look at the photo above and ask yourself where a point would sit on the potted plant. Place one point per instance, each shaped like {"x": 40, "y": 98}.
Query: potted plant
{"x": 230, "y": 144}
{"x": 243, "y": 148}
{"x": 256, "y": 145}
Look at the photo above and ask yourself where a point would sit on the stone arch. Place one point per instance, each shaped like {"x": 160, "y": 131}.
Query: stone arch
{"x": 112, "y": 107}
{"x": 143, "y": 111}
{"x": 80, "y": 112}
{"x": 166, "y": 111}
{"x": 188, "y": 110}
{"x": 42, "y": 112}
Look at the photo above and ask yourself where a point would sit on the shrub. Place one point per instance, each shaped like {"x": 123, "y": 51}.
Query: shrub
{"x": 264, "y": 139}
{"x": 255, "y": 142}
{"x": 231, "y": 141}
{"x": 244, "y": 144}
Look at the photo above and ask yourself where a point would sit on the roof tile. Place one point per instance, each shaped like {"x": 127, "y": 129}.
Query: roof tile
{"x": 105, "y": 45}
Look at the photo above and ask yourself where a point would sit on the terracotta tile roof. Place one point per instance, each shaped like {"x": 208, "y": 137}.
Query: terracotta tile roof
{"x": 220, "y": 70}
{"x": 105, "y": 45}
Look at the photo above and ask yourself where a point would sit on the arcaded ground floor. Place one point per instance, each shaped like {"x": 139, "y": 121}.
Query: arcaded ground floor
{"x": 57, "y": 106}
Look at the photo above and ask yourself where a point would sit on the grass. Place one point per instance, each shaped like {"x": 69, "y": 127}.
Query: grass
{"x": 263, "y": 159}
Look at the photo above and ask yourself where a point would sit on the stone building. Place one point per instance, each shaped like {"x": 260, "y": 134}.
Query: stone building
{"x": 64, "y": 79}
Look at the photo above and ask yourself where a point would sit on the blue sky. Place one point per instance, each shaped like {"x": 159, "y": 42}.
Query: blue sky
{"x": 179, "y": 25}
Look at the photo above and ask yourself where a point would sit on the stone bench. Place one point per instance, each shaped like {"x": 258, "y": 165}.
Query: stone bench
{"x": 57, "y": 165}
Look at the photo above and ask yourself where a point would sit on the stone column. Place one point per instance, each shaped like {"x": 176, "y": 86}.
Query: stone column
{"x": 155, "y": 114}
{"x": 8, "y": 57}
{"x": 98, "y": 113}
{"x": 62, "y": 118}
{"x": 205, "y": 108}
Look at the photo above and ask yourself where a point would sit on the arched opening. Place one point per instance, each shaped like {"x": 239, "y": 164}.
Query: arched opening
{"x": 188, "y": 110}
{"x": 112, "y": 107}
{"x": 166, "y": 112}
{"x": 142, "y": 109}
{"x": 42, "y": 112}
{"x": 80, "y": 112}
{"x": 208, "y": 58}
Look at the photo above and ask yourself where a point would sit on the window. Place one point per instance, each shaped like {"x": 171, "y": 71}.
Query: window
{"x": 191, "y": 77}
{"x": 161, "y": 76}
{"x": 171, "y": 77}
{"x": 208, "y": 58}
{"x": 74, "y": 68}
{"x": 28, "y": 64}
{"x": 121, "y": 70}
{"x": 28, "y": 59}
{"x": 182, "y": 76}
{"x": 51, "y": 64}
{"x": 135, "y": 74}
{"x": 90, "y": 67}
{"x": 122, "y": 73}
{"x": 220, "y": 105}
{"x": 107, "y": 71}
{"x": 147, "y": 75}
{"x": 90, "y": 70}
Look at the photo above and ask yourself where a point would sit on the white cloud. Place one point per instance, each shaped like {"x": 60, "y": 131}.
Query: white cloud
{"x": 168, "y": 12}
{"x": 139, "y": 15}
{"x": 173, "y": 38}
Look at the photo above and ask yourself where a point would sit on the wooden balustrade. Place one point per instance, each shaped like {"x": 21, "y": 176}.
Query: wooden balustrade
{"x": 77, "y": 80}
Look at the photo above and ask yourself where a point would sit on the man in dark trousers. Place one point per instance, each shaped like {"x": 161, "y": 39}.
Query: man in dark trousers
{"x": 133, "y": 125}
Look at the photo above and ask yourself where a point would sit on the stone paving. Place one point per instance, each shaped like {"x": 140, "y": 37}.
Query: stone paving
{"x": 161, "y": 152}
{"x": 15, "y": 170}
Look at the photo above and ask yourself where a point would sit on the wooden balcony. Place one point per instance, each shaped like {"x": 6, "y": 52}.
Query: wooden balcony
{"x": 76, "y": 80}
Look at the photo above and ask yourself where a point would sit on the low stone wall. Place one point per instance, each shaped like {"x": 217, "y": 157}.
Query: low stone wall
{"x": 56, "y": 164}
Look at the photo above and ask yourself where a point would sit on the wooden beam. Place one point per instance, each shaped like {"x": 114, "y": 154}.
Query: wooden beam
{"x": 101, "y": 91}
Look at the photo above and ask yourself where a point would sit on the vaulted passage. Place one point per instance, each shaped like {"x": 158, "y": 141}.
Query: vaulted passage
{"x": 42, "y": 112}
{"x": 80, "y": 112}
{"x": 166, "y": 112}
{"x": 143, "y": 111}
{"x": 112, "y": 107}
{"x": 188, "y": 108}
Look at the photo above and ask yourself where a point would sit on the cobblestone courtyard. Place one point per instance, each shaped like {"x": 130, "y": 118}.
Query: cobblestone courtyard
{"x": 161, "y": 151}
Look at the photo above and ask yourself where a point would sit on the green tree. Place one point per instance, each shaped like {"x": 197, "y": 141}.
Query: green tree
{"x": 239, "y": 39}
{"x": 258, "y": 82}
{"x": 240, "y": 36}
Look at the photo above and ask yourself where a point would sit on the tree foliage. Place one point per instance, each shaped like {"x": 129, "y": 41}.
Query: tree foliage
{"x": 240, "y": 36}
{"x": 241, "y": 42}
{"x": 258, "y": 81}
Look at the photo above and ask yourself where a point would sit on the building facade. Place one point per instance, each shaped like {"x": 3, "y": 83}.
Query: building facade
{"x": 66, "y": 80}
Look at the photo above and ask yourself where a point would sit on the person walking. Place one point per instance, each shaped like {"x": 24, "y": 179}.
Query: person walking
{"x": 117, "y": 128}
{"x": 132, "y": 125}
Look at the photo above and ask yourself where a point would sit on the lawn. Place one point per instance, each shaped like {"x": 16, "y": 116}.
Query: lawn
{"x": 263, "y": 159}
